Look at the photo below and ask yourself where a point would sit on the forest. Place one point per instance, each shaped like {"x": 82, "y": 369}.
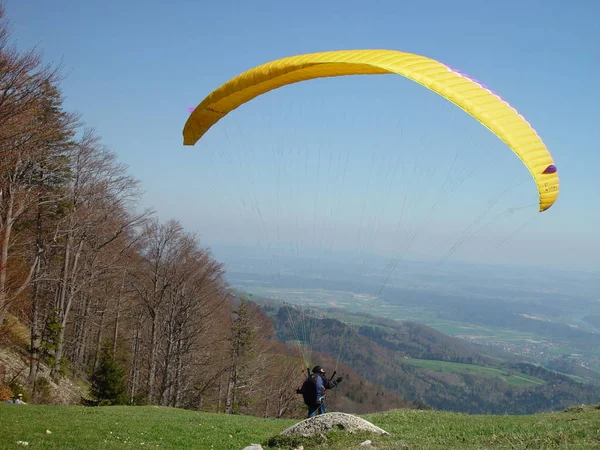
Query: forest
{"x": 101, "y": 284}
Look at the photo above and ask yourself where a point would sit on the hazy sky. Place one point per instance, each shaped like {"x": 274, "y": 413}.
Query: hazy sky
{"x": 360, "y": 162}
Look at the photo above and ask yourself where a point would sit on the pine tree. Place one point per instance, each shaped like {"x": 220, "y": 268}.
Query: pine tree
{"x": 108, "y": 381}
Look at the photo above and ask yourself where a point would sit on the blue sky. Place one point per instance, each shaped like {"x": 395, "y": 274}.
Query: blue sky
{"x": 273, "y": 174}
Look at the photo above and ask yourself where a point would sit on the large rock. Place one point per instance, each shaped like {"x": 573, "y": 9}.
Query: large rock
{"x": 330, "y": 421}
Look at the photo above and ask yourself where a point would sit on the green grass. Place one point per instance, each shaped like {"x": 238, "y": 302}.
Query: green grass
{"x": 78, "y": 427}
{"x": 75, "y": 427}
{"x": 512, "y": 378}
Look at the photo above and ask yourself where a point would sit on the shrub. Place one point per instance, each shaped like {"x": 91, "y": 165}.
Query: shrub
{"x": 43, "y": 390}
{"x": 5, "y": 393}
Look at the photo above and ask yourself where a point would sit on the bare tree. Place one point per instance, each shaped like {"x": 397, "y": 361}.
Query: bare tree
{"x": 99, "y": 199}
{"x": 248, "y": 355}
{"x": 179, "y": 287}
{"x": 160, "y": 253}
{"x": 33, "y": 133}
{"x": 195, "y": 299}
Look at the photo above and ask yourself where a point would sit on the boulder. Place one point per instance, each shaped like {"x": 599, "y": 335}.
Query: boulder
{"x": 331, "y": 421}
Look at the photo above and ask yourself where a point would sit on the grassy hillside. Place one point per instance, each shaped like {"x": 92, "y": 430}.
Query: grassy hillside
{"x": 77, "y": 427}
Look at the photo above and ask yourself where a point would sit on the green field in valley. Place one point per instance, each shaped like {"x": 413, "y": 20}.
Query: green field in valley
{"x": 511, "y": 377}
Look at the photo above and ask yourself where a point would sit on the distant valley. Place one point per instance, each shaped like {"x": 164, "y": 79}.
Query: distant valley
{"x": 428, "y": 368}
{"x": 545, "y": 317}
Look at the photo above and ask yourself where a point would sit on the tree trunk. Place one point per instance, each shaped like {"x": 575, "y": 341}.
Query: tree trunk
{"x": 178, "y": 377}
{"x": 220, "y": 393}
{"x": 34, "y": 337}
{"x": 82, "y": 333}
{"x": 135, "y": 370}
{"x": 4, "y": 243}
{"x": 152, "y": 358}
{"x": 66, "y": 301}
{"x": 118, "y": 315}
{"x": 166, "y": 374}
{"x": 231, "y": 387}
{"x": 99, "y": 339}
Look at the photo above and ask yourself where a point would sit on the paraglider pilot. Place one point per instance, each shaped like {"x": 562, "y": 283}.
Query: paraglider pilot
{"x": 313, "y": 390}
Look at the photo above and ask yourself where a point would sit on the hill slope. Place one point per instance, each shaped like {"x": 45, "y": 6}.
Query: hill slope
{"x": 14, "y": 371}
{"x": 378, "y": 350}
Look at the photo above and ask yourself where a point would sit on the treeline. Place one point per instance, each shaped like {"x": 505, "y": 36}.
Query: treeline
{"x": 421, "y": 342}
{"x": 100, "y": 283}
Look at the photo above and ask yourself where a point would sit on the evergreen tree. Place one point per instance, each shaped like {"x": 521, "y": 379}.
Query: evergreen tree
{"x": 109, "y": 385}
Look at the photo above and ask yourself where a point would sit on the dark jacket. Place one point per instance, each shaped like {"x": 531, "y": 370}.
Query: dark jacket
{"x": 313, "y": 389}
{"x": 323, "y": 384}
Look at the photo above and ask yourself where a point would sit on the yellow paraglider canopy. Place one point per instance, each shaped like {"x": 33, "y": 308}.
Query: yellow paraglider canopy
{"x": 477, "y": 100}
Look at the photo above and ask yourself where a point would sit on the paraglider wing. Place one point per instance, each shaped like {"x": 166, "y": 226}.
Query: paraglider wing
{"x": 474, "y": 98}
